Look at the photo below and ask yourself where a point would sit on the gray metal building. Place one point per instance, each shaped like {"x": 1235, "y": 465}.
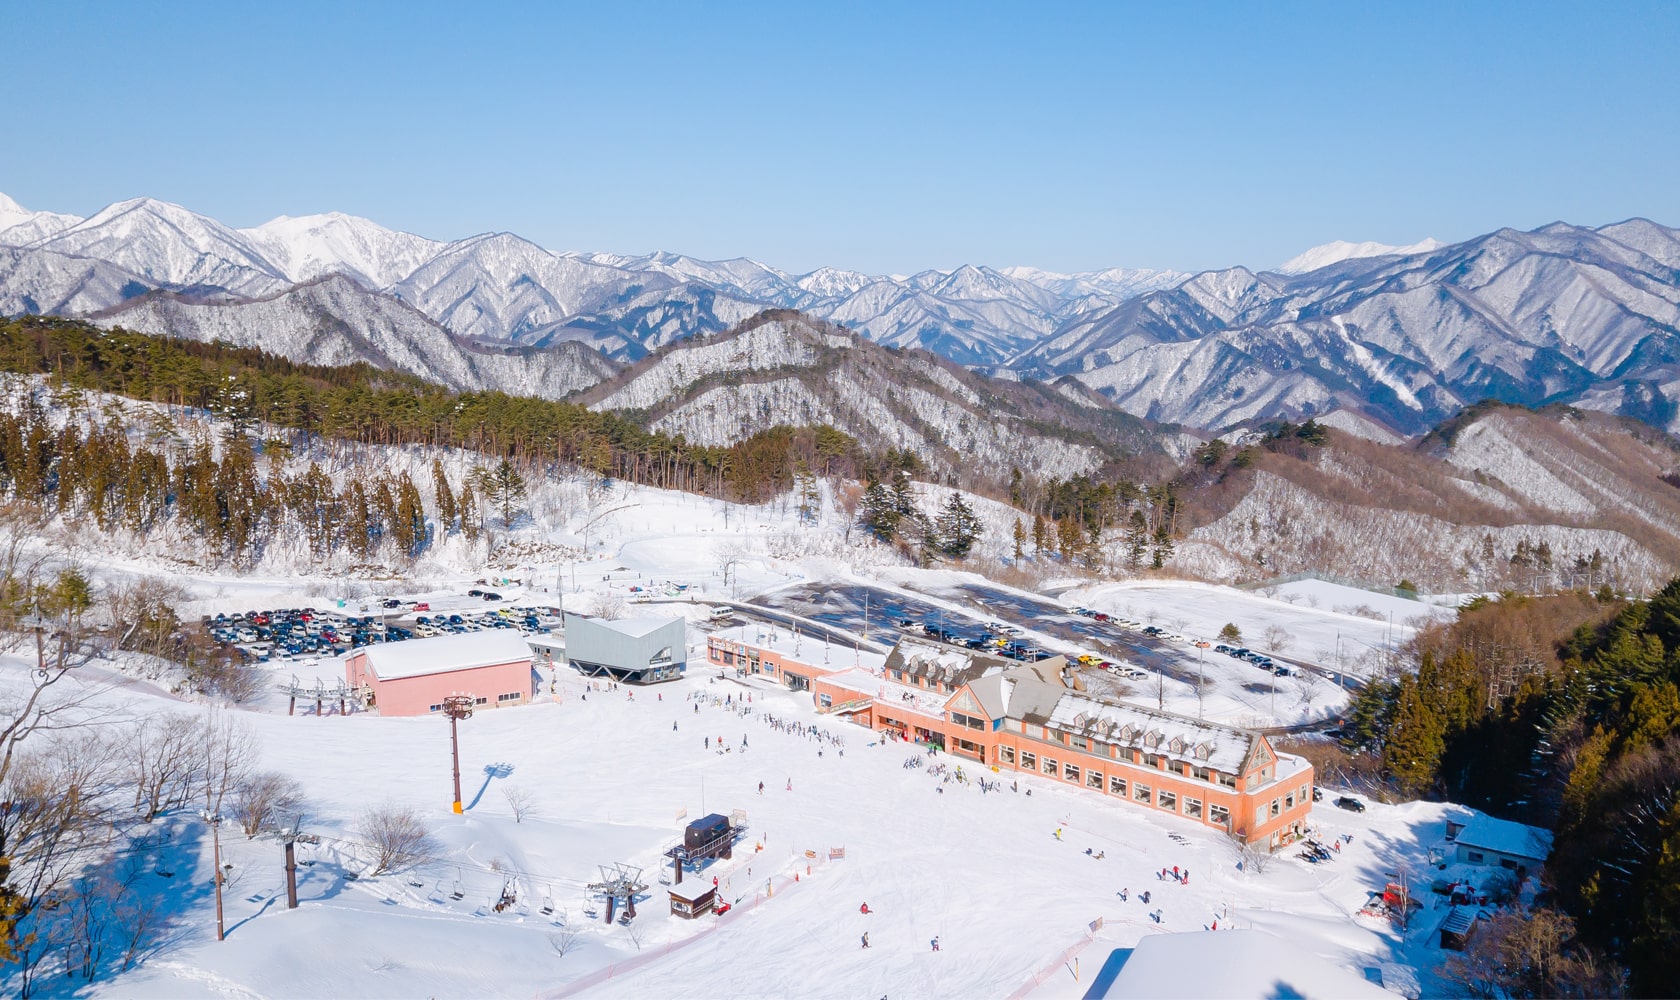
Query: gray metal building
{"x": 634, "y": 650}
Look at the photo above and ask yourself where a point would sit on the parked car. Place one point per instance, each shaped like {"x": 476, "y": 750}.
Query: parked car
{"x": 1350, "y": 803}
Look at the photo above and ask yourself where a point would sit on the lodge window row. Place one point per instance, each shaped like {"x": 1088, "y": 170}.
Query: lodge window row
{"x": 1121, "y": 787}
{"x": 501, "y": 699}
{"x": 1006, "y": 755}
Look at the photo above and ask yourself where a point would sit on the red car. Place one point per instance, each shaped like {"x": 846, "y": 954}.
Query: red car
{"x": 423, "y": 606}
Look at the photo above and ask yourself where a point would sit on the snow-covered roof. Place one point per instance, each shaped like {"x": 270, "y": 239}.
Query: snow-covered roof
{"x": 1176, "y": 737}
{"x": 811, "y": 650}
{"x": 1502, "y": 836}
{"x": 890, "y": 694}
{"x": 444, "y": 653}
{"x": 635, "y": 628}
{"x": 936, "y": 662}
{"x": 1233, "y": 965}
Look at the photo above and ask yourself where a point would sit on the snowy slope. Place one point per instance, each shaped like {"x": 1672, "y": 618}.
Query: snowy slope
{"x": 782, "y": 367}
{"x": 334, "y": 321}
{"x": 41, "y": 282}
{"x": 310, "y": 246}
{"x": 168, "y": 243}
{"x": 18, "y": 225}
{"x": 501, "y": 287}
{"x": 1340, "y": 250}
{"x": 1559, "y": 313}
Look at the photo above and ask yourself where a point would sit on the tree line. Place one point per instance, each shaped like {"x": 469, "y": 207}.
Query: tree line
{"x": 1562, "y": 711}
{"x": 246, "y": 386}
{"x": 1073, "y": 518}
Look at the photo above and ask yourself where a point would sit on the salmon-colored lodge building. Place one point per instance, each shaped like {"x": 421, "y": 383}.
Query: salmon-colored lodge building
{"x": 1038, "y": 718}
{"x": 493, "y": 667}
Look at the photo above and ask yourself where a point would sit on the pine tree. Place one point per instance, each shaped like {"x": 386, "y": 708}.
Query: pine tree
{"x": 957, "y": 528}
{"x": 805, "y": 489}
{"x": 1137, "y": 539}
{"x": 1020, "y": 536}
{"x": 1040, "y": 534}
{"x": 1163, "y": 547}
{"x": 878, "y": 512}
{"x": 1415, "y": 740}
{"x": 467, "y": 503}
{"x": 411, "y": 516}
{"x": 504, "y": 488}
{"x": 443, "y": 496}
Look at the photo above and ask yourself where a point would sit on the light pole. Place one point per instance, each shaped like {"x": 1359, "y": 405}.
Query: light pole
{"x": 1201, "y": 658}
{"x": 215, "y": 820}
{"x": 457, "y": 707}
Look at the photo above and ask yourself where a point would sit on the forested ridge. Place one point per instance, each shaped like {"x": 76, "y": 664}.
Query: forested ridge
{"x": 1562, "y": 711}
{"x": 362, "y": 403}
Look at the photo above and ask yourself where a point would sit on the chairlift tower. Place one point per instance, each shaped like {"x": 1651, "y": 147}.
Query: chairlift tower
{"x": 618, "y": 880}
{"x": 457, "y": 707}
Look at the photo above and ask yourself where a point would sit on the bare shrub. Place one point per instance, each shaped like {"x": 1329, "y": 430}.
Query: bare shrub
{"x": 520, "y": 801}
{"x": 266, "y": 798}
{"x": 608, "y": 607}
{"x": 562, "y": 940}
{"x": 1252, "y": 857}
{"x": 1277, "y": 638}
{"x": 398, "y": 836}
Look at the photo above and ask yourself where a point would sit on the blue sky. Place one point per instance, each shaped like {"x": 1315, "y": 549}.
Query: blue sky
{"x": 888, "y": 137}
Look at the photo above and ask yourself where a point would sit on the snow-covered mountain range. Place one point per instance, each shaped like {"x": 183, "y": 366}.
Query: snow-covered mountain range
{"x": 1563, "y": 313}
{"x": 1381, "y": 339}
{"x": 499, "y": 288}
{"x": 784, "y": 368}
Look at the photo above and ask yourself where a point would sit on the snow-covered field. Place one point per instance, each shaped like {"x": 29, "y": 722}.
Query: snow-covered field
{"x": 612, "y": 779}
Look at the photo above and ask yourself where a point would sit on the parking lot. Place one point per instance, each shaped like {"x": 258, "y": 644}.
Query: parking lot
{"x": 280, "y": 634}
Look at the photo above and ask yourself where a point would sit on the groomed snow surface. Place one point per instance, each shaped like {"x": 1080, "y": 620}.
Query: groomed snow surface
{"x": 612, "y": 781}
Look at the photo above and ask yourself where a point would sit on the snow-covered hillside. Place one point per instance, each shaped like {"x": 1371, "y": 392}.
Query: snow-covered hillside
{"x": 1560, "y": 313}
{"x": 783, "y": 368}
{"x": 334, "y": 321}
{"x": 310, "y": 246}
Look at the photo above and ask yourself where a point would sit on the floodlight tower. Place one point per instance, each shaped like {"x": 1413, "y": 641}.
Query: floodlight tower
{"x": 457, "y": 707}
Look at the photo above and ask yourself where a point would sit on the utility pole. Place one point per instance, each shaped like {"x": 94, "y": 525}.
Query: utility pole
{"x": 457, "y": 707}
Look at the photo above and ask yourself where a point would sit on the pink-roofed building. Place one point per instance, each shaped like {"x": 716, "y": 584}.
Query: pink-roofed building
{"x": 413, "y": 678}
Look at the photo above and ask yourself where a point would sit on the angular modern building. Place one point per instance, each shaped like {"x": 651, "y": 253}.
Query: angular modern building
{"x": 634, "y": 650}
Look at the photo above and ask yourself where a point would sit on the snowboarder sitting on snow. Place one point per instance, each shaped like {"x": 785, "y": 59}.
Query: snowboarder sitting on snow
{"x": 864, "y": 909}
{"x": 866, "y": 939}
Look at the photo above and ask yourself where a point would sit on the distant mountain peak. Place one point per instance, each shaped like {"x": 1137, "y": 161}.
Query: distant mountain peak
{"x": 1339, "y": 250}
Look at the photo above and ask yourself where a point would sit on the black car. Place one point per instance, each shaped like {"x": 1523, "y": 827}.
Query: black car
{"x": 1350, "y": 803}
{"x": 475, "y": 593}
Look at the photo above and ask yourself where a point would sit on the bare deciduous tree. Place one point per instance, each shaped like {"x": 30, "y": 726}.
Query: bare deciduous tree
{"x": 608, "y": 607}
{"x": 1308, "y": 686}
{"x": 520, "y": 801}
{"x": 1252, "y": 857}
{"x": 265, "y": 798}
{"x": 398, "y": 836}
{"x": 562, "y": 940}
{"x": 229, "y": 754}
{"x": 165, "y": 759}
{"x": 1277, "y": 639}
